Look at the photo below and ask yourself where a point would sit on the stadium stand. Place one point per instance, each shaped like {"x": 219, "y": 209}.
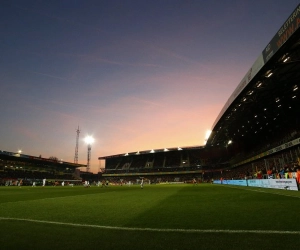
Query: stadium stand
{"x": 15, "y": 167}
{"x": 260, "y": 120}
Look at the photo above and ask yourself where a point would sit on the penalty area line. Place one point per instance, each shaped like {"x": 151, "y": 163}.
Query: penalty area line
{"x": 228, "y": 231}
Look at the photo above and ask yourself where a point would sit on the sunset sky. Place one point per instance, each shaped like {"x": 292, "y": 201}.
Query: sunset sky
{"x": 134, "y": 74}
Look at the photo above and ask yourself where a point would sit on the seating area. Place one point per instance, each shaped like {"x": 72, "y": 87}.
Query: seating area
{"x": 28, "y": 172}
{"x": 167, "y": 161}
{"x": 277, "y": 166}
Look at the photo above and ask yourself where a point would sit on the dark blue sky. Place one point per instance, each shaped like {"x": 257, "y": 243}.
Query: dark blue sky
{"x": 136, "y": 75}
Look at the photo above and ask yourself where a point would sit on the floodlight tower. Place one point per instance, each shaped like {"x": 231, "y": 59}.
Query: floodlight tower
{"x": 76, "y": 148}
{"x": 88, "y": 140}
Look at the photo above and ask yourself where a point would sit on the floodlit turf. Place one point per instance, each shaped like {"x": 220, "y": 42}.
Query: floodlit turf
{"x": 170, "y": 216}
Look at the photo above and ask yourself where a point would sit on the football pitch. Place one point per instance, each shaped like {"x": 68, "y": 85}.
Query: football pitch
{"x": 184, "y": 216}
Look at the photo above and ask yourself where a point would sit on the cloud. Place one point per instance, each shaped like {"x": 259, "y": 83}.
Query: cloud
{"x": 97, "y": 59}
{"x": 48, "y": 75}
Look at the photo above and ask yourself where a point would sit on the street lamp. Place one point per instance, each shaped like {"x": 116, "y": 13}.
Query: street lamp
{"x": 89, "y": 140}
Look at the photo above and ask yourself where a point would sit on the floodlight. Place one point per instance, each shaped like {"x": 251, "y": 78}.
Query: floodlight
{"x": 269, "y": 73}
{"x": 89, "y": 139}
{"x": 258, "y": 84}
{"x": 286, "y": 59}
{"x": 207, "y": 134}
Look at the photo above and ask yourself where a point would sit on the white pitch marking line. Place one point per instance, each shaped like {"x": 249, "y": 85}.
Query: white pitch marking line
{"x": 157, "y": 229}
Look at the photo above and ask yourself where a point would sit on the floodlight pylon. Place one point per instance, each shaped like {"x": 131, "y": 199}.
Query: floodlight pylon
{"x": 76, "y": 147}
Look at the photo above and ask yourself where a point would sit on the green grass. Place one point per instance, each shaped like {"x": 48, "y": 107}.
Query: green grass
{"x": 162, "y": 208}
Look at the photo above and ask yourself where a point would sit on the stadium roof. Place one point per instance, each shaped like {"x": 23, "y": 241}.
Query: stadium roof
{"x": 268, "y": 96}
{"x": 151, "y": 151}
{"x": 4, "y": 155}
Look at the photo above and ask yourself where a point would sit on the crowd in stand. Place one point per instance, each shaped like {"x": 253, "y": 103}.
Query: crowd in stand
{"x": 260, "y": 171}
